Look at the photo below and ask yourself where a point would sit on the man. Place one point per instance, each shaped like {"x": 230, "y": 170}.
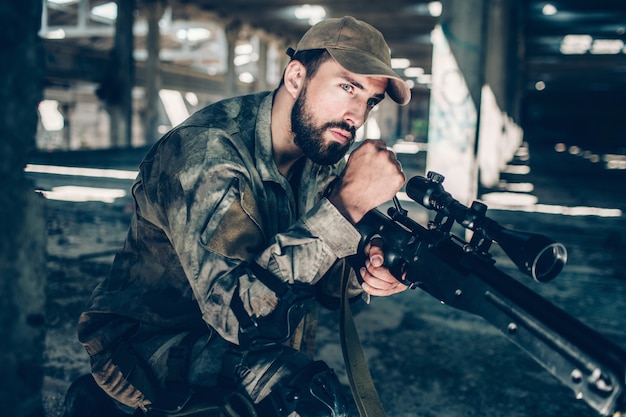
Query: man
{"x": 244, "y": 214}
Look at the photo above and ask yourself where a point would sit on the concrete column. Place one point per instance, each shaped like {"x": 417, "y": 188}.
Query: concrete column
{"x": 154, "y": 11}
{"x": 275, "y": 66}
{"x": 504, "y": 41}
{"x": 283, "y": 57}
{"x": 404, "y": 127}
{"x": 473, "y": 133}
{"x": 499, "y": 136}
{"x": 231, "y": 85}
{"x": 495, "y": 58}
{"x": 116, "y": 89}
{"x": 22, "y": 220}
{"x": 261, "y": 82}
{"x": 458, "y": 76}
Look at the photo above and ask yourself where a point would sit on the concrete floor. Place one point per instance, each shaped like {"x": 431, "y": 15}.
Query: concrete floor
{"x": 427, "y": 359}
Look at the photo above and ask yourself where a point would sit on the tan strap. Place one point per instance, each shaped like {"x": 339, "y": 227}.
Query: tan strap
{"x": 361, "y": 383}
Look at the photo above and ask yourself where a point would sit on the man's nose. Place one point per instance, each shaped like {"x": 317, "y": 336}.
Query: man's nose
{"x": 356, "y": 114}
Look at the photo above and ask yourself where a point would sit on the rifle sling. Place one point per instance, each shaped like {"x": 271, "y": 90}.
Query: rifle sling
{"x": 361, "y": 383}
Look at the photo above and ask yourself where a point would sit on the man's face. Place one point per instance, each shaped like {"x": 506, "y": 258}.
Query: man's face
{"x": 310, "y": 137}
{"x": 330, "y": 108}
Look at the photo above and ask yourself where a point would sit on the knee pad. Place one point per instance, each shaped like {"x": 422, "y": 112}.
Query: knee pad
{"x": 315, "y": 391}
{"x": 281, "y": 381}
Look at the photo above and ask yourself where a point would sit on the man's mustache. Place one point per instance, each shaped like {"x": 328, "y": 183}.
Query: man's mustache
{"x": 341, "y": 125}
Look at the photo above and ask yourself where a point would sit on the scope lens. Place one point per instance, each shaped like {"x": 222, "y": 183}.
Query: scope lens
{"x": 549, "y": 262}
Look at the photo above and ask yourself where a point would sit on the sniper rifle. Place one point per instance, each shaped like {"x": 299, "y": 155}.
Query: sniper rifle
{"x": 463, "y": 275}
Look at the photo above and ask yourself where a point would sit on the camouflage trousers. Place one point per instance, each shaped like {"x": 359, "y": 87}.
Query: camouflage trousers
{"x": 148, "y": 369}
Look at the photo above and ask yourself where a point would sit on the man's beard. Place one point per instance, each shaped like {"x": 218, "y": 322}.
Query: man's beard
{"x": 310, "y": 138}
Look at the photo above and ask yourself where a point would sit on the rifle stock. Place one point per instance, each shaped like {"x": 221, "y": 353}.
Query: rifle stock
{"x": 463, "y": 275}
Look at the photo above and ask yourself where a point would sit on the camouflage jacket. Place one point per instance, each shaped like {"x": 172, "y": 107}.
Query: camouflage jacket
{"x": 207, "y": 198}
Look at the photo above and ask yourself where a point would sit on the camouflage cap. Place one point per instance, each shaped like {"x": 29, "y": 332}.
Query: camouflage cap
{"x": 358, "y": 47}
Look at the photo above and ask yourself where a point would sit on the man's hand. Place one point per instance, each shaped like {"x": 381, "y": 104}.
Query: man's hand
{"x": 377, "y": 280}
{"x": 372, "y": 177}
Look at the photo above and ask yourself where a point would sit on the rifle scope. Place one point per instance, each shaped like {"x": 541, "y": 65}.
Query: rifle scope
{"x": 535, "y": 255}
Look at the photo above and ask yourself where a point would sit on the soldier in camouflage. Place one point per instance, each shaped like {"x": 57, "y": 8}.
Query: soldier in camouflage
{"x": 244, "y": 215}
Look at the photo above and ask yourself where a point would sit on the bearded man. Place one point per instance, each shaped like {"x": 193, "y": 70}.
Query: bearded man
{"x": 244, "y": 216}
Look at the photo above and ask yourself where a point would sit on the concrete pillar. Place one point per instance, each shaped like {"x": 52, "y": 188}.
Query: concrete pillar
{"x": 504, "y": 41}
{"x": 116, "y": 89}
{"x": 474, "y": 99}
{"x": 261, "y": 81}
{"x": 495, "y": 58}
{"x": 66, "y": 111}
{"x": 231, "y": 84}
{"x": 458, "y": 76}
{"x": 154, "y": 11}
{"x": 275, "y": 62}
{"x": 499, "y": 136}
{"x": 404, "y": 127}
{"x": 22, "y": 220}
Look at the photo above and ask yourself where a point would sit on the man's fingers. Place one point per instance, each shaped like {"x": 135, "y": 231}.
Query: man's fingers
{"x": 380, "y": 273}
{"x": 374, "y": 251}
{"x": 377, "y": 280}
{"x": 374, "y": 287}
{"x": 374, "y": 281}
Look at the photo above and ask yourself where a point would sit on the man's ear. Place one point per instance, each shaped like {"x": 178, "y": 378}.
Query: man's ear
{"x": 295, "y": 74}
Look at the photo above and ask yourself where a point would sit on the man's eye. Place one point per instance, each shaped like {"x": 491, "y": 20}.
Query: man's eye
{"x": 371, "y": 103}
{"x": 347, "y": 87}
